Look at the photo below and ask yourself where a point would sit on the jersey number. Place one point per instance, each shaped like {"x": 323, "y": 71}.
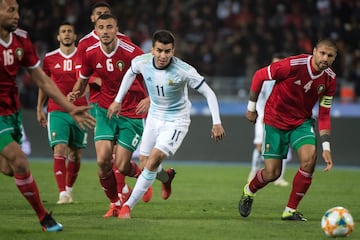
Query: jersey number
{"x": 67, "y": 65}
{"x": 8, "y": 57}
{"x": 160, "y": 90}
{"x": 308, "y": 86}
{"x": 109, "y": 65}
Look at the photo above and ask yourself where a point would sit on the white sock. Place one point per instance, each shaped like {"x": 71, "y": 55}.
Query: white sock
{"x": 69, "y": 189}
{"x": 144, "y": 181}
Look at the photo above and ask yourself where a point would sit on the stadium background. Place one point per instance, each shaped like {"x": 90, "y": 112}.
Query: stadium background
{"x": 226, "y": 41}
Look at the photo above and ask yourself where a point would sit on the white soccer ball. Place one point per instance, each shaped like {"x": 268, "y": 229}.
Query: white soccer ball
{"x": 337, "y": 222}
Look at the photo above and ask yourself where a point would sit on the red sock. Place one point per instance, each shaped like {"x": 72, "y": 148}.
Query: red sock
{"x": 109, "y": 185}
{"x": 301, "y": 184}
{"x": 120, "y": 179}
{"x": 60, "y": 171}
{"x": 134, "y": 170}
{"x": 72, "y": 172}
{"x": 28, "y": 188}
{"x": 257, "y": 182}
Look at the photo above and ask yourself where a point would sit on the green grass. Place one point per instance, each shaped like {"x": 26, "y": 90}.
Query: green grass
{"x": 203, "y": 206}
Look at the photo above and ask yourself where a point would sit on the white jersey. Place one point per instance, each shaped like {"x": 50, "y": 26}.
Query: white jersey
{"x": 167, "y": 88}
{"x": 260, "y": 106}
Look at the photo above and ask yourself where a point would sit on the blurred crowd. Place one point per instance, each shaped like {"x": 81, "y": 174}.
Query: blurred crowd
{"x": 227, "y": 38}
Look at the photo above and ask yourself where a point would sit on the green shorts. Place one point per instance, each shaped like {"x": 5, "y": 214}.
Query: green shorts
{"x": 10, "y": 129}
{"x": 62, "y": 129}
{"x": 276, "y": 141}
{"x": 93, "y": 109}
{"x": 126, "y": 131}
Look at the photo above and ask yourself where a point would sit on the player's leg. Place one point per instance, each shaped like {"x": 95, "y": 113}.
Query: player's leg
{"x": 128, "y": 140}
{"x": 58, "y": 135}
{"x": 72, "y": 170}
{"x": 25, "y": 143}
{"x": 303, "y": 141}
{"x": 60, "y": 171}
{"x": 272, "y": 167}
{"x": 256, "y": 158}
{"x": 160, "y": 140}
{"x": 124, "y": 191}
{"x": 256, "y": 161}
{"x": 77, "y": 142}
{"x": 10, "y": 135}
{"x": 103, "y": 136}
{"x": 5, "y": 167}
{"x": 281, "y": 180}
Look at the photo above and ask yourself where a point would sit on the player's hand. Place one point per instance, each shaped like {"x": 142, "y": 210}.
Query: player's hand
{"x": 114, "y": 108}
{"x": 328, "y": 160}
{"x": 143, "y": 106}
{"x": 41, "y": 118}
{"x": 217, "y": 132}
{"x": 82, "y": 117}
{"x": 252, "y": 116}
{"x": 72, "y": 96}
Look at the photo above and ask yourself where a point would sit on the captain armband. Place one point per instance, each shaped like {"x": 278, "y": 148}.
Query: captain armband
{"x": 326, "y": 101}
{"x": 325, "y": 140}
{"x": 251, "y": 107}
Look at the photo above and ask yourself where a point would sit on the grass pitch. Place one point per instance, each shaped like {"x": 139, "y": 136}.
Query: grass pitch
{"x": 203, "y": 206}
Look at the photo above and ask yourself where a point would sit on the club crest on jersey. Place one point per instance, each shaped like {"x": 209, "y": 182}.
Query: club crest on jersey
{"x": 19, "y": 53}
{"x": 120, "y": 65}
{"x": 170, "y": 82}
{"x": 321, "y": 88}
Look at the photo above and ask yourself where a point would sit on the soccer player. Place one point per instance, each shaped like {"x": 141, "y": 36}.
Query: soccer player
{"x": 109, "y": 59}
{"x": 257, "y": 159}
{"x": 66, "y": 138}
{"x": 300, "y": 82}
{"x": 94, "y": 83}
{"x": 166, "y": 78}
{"x": 17, "y": 50}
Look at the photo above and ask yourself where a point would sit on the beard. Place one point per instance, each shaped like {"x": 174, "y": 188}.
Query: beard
{"x": 10, "y": 28}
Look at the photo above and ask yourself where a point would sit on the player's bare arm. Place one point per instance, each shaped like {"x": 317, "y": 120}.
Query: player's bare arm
{"x": 251, "y": 113}
{"x": 217, "y": 132}
{"x": 79, "y": 113}
{"x": 326, "y": 154}
{"x": 40, "y": 115}
{"x": 114, "y": 108}
{"x": 143, "y": 106}
{"x": 80, "y": 88}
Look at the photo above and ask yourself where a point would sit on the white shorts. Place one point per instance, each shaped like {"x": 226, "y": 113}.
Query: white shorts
{"x": 166, "y": 136}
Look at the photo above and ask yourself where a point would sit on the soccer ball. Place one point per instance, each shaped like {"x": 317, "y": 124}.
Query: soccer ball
{"x": 337, "y": 222}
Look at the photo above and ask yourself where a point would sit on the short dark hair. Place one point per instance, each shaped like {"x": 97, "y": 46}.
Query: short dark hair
{"x": 107, "y": 16}
{"x": 100, "y": 4}
{"x": 327, "y": 41}
{"x": 163, "y": 36}
{"x": 66, "y": 23}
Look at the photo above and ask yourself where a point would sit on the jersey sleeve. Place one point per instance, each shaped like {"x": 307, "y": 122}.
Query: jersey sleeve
{"x": 30, "y": 59}
{"x": 86, "y": 70}
{"x": 46, "y": 66}
{"x": 325, "y": 102}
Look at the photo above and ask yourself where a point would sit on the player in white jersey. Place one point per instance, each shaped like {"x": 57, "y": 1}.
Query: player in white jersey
{"x": 166, "y": 78}
{"x": 257, "y": 159}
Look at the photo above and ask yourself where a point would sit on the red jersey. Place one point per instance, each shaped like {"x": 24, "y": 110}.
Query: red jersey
{"x": 297, "y": 89}
{"x": 85, "y": 42}
{"x": 111, "y": 68}
{"x": 61, "y": 69}
{"x": 19, "y": 51}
